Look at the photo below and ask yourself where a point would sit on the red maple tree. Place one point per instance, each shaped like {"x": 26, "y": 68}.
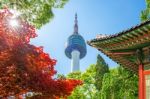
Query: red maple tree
{"x": 25, "y": 67}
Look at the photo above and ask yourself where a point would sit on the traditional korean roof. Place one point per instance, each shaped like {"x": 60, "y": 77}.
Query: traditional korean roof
{"x": 121, "y": 47}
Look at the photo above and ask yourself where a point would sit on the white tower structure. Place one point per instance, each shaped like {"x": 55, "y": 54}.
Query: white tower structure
{"x": 75, "y": 48}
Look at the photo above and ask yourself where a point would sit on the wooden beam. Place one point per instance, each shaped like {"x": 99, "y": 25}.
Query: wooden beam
{"x": 134, "y": 34}
{"x": 121, "y": 53}
{"x": 146, "y": 72}
{"x": 148, "y": 27}
{"x": 144, "y": 30}
{"x": 140, "y": 39}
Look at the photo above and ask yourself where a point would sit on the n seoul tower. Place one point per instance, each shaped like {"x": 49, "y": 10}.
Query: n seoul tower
{"x": 75, "y": 48}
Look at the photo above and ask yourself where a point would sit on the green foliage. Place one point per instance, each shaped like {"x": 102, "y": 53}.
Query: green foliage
{"x": 145, "y": 14}
{"x": 101, "y": 69}
{"x": 92, "y": 79}
{"x": 119, "y": 83}
{"x": 88, "y": 89}
{"x": 36, "y": 12}
{"x": 60, "y": 76}
{"x": 74, "y": 75}
{"x": 102, "y": 83}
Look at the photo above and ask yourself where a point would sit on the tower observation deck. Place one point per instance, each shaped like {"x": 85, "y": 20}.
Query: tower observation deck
{"x": 75, "y": 48}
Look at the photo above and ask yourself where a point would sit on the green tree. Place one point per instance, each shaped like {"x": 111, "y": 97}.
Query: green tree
{"x": 101, "y": 69}
{"x": 74, "y": 75}
{"x": 102, "y": 83}
{"x": 119, "y": 83}
{"x": 88, "y": 89}
{"x": 145, "y": 14}
{"x": 36, "y": 12}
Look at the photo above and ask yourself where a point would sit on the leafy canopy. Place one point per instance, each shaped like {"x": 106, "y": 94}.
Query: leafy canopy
{"x": 36, "y": 12}
{"x": 145, "y": 14}
{"x": 119, "y": 83}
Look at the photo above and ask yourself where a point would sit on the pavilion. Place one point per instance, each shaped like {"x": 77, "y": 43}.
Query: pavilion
{"x": 131, "y": 49}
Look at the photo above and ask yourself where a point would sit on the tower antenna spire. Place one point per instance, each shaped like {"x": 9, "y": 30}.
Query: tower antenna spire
{"x": 76, "y": 24}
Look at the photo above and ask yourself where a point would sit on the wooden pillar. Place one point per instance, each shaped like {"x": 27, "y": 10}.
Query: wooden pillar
{"x": 139, "y": 54}
{"x": 141, "y": 82}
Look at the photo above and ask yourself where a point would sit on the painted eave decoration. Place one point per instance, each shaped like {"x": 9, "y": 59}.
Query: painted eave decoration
{"x": 122, "y": 47}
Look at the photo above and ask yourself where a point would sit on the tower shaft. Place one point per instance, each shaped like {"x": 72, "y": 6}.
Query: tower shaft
{"x": 75, "y": 66}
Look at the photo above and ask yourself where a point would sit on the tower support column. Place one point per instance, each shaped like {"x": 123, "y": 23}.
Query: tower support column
{"x": 75, "y": 61}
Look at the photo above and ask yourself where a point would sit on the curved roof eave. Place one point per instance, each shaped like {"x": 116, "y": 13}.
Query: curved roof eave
{"x": 120, "y": 33}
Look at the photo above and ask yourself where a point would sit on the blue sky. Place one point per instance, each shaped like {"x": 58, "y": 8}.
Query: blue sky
{"x": 94, "y": 17}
